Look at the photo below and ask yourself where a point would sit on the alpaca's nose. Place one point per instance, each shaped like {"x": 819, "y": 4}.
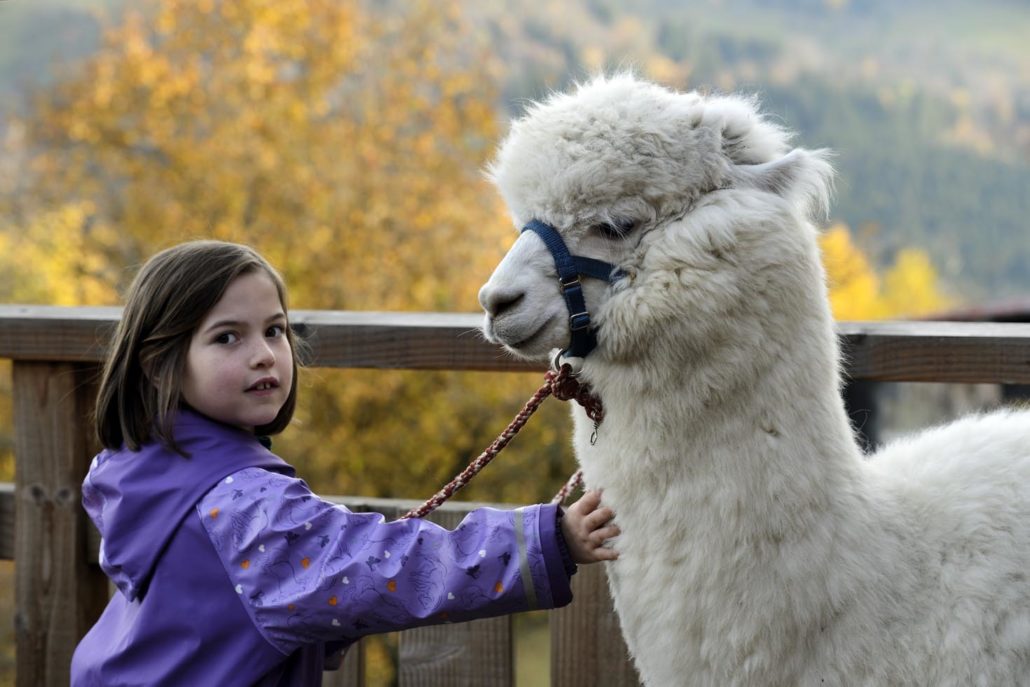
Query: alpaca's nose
{"x": 496, "y": 301}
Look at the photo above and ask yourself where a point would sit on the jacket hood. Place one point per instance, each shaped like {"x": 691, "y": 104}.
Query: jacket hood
{"x": 138, "y": 499}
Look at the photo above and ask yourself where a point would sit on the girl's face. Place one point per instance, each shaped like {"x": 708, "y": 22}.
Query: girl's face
{"x": 239, "y": 368}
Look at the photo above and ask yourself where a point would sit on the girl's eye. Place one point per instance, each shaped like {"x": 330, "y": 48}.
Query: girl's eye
{"x": 226, "y": 338}
{"x": 616, "y": 229}
{"x": 275, "y": 331}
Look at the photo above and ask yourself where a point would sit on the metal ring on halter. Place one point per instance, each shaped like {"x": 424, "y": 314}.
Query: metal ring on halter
{"x": 575, "y": 363}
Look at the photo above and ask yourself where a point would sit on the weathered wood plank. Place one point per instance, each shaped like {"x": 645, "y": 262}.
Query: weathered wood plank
{"x": 957, "y": 352}
{"x": 57, "y": 594}
{"x": 886, "y": 351}
{"x": 437, "y": 341}
{"x": 587, "y": 649}
{"x": 51, "y": 333}
{"x": 416, "y": 341}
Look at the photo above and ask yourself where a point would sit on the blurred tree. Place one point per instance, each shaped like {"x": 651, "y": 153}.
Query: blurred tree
{"x": 55, "y": 259}
{"x": 908, "y": 288}
{"x": 345, "y": 141}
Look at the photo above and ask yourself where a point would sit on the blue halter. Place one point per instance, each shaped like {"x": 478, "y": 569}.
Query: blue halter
{"x": 570, "y": 269}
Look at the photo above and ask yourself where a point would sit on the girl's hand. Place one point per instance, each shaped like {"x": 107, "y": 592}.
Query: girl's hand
{"x": 586, "y": 526}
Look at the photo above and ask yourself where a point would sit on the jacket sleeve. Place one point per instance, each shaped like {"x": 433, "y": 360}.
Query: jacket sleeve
{"x": 308, "y": 570}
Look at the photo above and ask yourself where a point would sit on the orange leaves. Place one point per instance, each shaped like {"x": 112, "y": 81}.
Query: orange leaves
{"x": 346, "y": 145}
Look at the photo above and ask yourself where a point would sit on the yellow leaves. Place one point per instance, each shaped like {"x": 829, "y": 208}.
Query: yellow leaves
{"x": 56, "y": 260}
{"x": 135, "y": 43}
{"x": 347, "y": 148}
{"x": 908, "y": 288}
{"x": 854, "y": 285}
{"x": 911, "y": 285}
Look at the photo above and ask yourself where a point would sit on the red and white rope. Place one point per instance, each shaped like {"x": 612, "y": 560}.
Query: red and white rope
{"x": 570, "y": 486}
{"x": 563, "y": 386}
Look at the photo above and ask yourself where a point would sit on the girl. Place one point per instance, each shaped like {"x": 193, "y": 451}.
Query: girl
{"x": 230, "y": 571}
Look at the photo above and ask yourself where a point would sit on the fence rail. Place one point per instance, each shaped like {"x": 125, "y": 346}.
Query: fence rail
{"x": 60, "y": 591}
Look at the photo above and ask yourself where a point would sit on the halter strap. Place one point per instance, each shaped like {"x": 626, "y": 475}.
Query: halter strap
{"x": 570, "y": 268}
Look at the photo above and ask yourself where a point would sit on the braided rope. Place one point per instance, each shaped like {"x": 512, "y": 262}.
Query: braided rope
{"x": 570, "y": 486}
{"x": 563, "y": 386}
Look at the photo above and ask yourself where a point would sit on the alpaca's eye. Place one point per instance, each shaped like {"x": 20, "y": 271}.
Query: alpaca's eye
{"x": 616, "y": 229}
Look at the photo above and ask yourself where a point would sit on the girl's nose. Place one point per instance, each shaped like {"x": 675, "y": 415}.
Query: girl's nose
{"x": 263, "y": 355}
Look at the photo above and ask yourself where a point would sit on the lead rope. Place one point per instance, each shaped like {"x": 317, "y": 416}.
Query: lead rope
{"x": 563, "y": 386}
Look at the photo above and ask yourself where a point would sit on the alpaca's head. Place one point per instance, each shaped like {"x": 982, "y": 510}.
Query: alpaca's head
{"x": 697, "y": 198}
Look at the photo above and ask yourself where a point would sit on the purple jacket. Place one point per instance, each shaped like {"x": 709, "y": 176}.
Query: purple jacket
{"x": 231, "y": 572}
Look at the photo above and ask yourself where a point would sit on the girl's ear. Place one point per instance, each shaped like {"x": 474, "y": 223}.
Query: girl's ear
{"x": 802, "y": 176}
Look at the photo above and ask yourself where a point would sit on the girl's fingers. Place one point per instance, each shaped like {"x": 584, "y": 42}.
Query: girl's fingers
{"x": 588, "y": 502}
{"x": 603, "y": 554}
{"x": 599, "y": 517}
{"x": 604, "y": 534}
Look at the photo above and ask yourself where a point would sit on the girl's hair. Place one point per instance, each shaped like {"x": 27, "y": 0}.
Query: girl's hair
{"x": 141, "y": 386}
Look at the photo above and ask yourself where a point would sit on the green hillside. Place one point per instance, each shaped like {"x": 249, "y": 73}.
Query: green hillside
{"x": 926, "y": 104}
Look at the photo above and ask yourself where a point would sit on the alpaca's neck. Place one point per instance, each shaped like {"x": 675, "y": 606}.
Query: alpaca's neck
{"x": 739, "y": 417}
{"x": 756, "y": 475}
{"x": 748, "y": 518}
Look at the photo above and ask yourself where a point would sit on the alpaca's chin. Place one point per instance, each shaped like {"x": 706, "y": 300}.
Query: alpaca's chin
{"x": 535, "y": 349}
{"x": 526, "y": 344}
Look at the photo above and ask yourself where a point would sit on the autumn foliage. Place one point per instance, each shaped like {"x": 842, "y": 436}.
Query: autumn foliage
{"x": 346, "y": 146}
{"x": 908, "y": 287}
{"x": 345, "y": 141}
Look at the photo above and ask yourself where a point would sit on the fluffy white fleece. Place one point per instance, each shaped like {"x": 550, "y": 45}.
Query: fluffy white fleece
{"x": 759, "y": 546}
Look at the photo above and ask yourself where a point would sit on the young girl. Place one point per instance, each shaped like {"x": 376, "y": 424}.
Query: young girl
{"x": 230, "y": 571}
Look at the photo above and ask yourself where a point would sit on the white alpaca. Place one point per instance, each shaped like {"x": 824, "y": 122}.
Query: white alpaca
{"x": 758, "y": 547}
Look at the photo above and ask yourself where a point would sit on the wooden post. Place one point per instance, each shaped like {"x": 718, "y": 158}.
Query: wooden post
{"x": 587, "y": 649}
{"x": 58, "y": 595}
{"x": 6, "y": 521}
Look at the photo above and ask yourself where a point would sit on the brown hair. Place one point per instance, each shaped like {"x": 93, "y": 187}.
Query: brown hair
{"x": 141, "y": 385}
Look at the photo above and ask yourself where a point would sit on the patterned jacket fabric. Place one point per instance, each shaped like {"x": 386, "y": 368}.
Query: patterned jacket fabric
{"x": 230, "y": 571}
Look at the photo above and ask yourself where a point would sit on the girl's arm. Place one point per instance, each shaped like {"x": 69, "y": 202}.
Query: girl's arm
{"x": 308, "y": 570}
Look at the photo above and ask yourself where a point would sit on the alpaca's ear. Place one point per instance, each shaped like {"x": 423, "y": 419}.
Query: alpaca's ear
{"x": 802, "y": 176}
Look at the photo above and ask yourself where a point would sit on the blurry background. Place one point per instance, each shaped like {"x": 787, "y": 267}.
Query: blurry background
{"x": 346, "y": 139}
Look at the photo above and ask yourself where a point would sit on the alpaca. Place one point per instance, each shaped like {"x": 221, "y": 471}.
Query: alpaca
{"x": 758, "y": 546}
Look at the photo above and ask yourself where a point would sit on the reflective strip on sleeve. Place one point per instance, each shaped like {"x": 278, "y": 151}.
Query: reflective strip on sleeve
{"x": 527, "y": 577}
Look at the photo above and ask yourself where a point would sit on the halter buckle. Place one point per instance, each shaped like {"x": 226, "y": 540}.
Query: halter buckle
{"x": 579, "y": 321}
{"x": 572, "y": 283}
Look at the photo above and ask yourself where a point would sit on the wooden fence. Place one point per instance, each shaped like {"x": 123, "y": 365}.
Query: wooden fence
{"x": 60, "y": 590}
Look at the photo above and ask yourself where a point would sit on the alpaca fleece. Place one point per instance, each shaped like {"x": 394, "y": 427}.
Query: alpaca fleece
{"x": 759, "y": 546}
